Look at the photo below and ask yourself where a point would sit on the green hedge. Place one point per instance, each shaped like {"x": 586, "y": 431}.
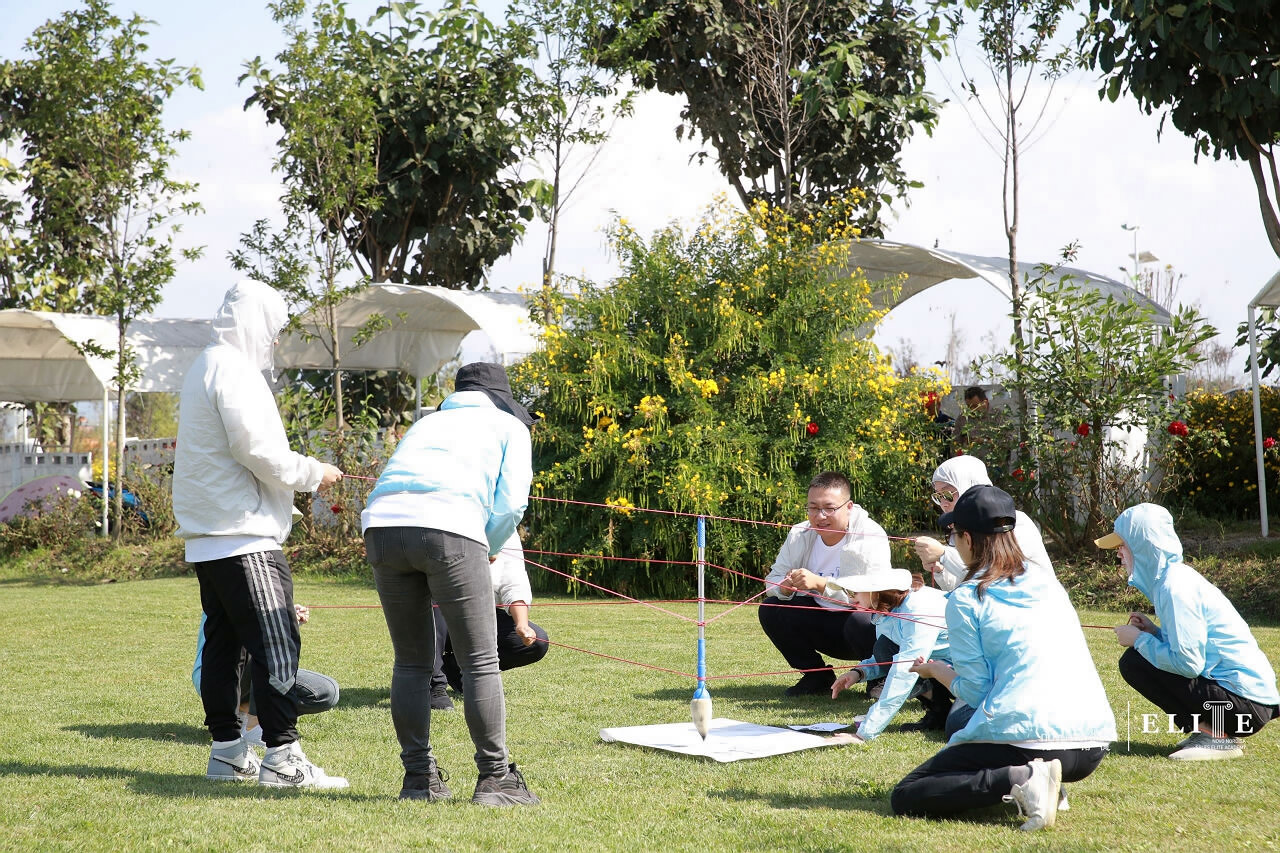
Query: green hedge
{"x": 1224, "y": 483}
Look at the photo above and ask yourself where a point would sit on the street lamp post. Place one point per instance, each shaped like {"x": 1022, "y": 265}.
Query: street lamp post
{"x": 1134, "y": 229}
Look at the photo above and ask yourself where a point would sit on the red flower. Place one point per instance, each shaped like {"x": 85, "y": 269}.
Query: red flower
{"x": 1268, "y": 442}
{"x": 811, "y": 428}
{"x": 335, "y": 509}
{"x": 1178, "y": 428}
{"x": 1083, "y": 429}
{"x": 1017, "y": 474}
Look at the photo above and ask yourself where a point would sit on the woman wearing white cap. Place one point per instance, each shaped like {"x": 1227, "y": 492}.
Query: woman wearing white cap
{"x": 1020, "y": 659}
{"x": 951, "y": 480}
{"x": 909, "y": 625}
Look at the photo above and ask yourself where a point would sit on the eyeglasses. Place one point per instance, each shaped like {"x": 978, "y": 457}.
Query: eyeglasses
{"x": 939, "y": 497}
{"x": 812, "y": 509}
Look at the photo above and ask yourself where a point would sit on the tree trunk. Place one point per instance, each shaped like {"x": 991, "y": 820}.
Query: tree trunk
{"x": 339, "y": 421}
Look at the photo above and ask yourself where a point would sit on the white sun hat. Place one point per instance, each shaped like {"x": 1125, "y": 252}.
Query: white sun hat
{"x": 875, "y": 581}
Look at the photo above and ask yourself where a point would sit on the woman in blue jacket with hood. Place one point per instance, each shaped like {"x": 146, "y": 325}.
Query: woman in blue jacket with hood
{"x": 1020, "y": 660}
{"x": 1200, "y": 665}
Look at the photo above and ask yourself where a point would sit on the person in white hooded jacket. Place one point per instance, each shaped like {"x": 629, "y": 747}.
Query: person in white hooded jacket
{"x": 234, "y": 476}
{"x": 806, "y": 616}
{"x": 951, "y": 480}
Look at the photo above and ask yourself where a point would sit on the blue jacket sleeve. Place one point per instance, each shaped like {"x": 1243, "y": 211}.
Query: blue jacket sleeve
{"x": 1180, "y": 646}
{"x": 511, "y": 491}
{"x": 918, "y": 640}
{"x": 973, "y": 675}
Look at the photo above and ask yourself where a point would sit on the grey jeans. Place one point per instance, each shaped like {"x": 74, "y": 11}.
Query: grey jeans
{"x": 414, "y": 567}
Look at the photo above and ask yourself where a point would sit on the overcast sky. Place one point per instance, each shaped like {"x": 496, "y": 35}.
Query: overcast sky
{"x": 1100, "y": 165}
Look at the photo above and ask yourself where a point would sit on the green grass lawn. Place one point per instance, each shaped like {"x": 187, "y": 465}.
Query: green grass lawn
{"x": 101, "y": 746}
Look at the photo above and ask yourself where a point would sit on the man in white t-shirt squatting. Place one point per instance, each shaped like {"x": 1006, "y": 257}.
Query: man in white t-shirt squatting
{"x": 803, "y": 616}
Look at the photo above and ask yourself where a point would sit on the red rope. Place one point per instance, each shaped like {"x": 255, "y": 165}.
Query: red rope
{"x": 611, "y": 592}
{"x": 710, "y": 517}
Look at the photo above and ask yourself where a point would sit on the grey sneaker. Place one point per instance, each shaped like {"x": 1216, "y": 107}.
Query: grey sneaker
{"x": 508, "y": 790}
{"x": 1037, "y": 798}
{"x": 428, "y": 786}
{"x": 1206, "y": 747}
{"x": 235, "y": 763}
{"x": 286, "y": 767}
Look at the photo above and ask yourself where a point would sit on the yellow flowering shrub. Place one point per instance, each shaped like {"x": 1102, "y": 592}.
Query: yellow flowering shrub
{"x": 718, "y": 374}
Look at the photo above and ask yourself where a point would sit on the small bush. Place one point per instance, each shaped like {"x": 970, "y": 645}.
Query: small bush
{"x": 1224, "y": 484}
{"x": 718, "y": 375}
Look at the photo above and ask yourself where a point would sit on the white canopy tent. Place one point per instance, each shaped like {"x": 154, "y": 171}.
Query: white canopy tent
{"x": 43, "y": 358}
{"x": 1268, "y": 297}
{"x": 425, "y": 326}
{"x": 923, "y": 268}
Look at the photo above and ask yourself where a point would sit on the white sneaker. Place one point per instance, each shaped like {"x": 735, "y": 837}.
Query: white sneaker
{"x": 233, "y": 762}
{"x": 1063, "y": 805}
{"x": 1205, "y": 747}
{"x": 252, "y": 736}
{"x": 1037, "y": 798}
{"x": 286, "y": 767}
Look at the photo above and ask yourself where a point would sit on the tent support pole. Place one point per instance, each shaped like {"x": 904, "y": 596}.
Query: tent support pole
{"x": 417, "y": 399}
{"x": 106, "y": 455}
{"x": 1257, "y": 420}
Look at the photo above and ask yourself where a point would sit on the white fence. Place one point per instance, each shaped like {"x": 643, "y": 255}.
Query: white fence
{"x": 20, "y": 464}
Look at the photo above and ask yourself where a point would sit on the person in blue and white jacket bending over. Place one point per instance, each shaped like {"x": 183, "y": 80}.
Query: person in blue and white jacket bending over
{"x": 449, "y": 498}
{"x": 1201, "y": 664}
{"x": 1019, "y": 659}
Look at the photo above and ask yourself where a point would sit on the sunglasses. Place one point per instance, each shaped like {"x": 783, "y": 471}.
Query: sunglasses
{"x": 939, "y": 497}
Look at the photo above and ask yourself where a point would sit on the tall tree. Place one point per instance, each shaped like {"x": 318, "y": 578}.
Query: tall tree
{"x": 1209, "y": 66}
{"x": 573, "y": 102}
{"x": 1019, "y": 44}
{"x": 102, "y": 211}
{"x": 327, "y": 154}
{"x": 801, "y": 99}
{"x": 436, "y": 125}
{"x": 397, "y": 144}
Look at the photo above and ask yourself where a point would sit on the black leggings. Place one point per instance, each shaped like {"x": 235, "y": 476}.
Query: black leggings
{"x": 1192, "y": 701}
{"x": 974, "y": 775}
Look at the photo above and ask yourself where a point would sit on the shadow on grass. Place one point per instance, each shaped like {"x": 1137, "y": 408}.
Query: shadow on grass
{"x": 1146, "y": 750}
{"x": 863, "y": 796}
{"x": 166, "y": 732}
{"x": 164, "y": 784}
{"x": 365, "y": 697}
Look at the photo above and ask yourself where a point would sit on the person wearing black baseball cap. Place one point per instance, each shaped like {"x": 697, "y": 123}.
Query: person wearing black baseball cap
{"x": 1019, "y": 656}
{"x": 444, "y": 506}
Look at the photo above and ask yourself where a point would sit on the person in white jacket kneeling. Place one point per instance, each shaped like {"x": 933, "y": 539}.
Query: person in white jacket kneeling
{"x": 804, "y": 615}
{"x": 234, "y": 476}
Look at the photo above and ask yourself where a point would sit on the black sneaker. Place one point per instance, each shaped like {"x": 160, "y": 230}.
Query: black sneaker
{"x": 813, "y": 684}
{"x": 440, "y": 700}
{"x": 426, "y": 786}
{"x": 508, "y": 790}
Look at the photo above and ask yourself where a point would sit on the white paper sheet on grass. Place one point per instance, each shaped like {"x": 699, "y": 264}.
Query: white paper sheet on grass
{"x": 727, "y": 740}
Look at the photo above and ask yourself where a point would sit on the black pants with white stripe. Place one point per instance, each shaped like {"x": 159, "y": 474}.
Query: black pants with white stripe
{"x": 249, "y": 603}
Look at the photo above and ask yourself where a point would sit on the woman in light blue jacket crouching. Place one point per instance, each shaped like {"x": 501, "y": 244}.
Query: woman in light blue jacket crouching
{"x": 1020, "y": 660}
{"x": 1200, "y": 664}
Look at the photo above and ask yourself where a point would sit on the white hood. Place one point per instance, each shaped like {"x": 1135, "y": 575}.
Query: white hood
{"x": 962, "y": 473}
{"x": 251, "y": 316}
